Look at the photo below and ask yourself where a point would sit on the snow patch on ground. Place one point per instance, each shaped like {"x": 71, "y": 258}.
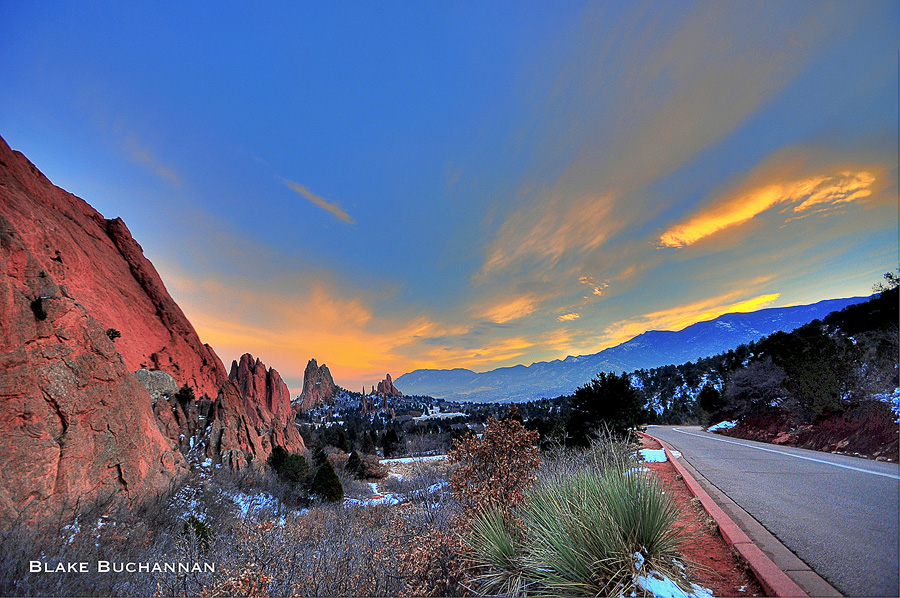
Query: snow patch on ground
{"x": 413, "y": 459}
{"x": 390, "y": 499}
{"x": 894, "y": 400}
{"x": 394, "y": 499}
{"x": 660, "y": 586}
{"x": 653, "y": 455}
{"x": 248, "y": 503}
{"x": 722, "y": 426}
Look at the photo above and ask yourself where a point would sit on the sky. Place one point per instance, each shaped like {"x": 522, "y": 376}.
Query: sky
{"x": 400, "y": 185}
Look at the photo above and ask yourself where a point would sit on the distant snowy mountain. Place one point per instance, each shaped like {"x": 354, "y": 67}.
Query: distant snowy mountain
{"x": 648, "y": 350}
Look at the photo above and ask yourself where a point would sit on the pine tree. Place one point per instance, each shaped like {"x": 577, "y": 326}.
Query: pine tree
{"x": 326, "y": 484}
{"x": 608, "y": 400}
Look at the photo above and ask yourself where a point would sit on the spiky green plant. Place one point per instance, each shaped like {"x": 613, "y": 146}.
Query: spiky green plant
{"x": 497, "y": 546}
{"x": 579, "y": 535}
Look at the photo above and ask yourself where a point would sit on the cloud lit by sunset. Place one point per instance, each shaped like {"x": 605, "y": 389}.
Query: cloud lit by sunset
{"x": 816, "y": 191}
{"x": 471, "y": 195}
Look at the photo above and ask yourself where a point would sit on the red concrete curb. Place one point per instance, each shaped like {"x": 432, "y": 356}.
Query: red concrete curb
{"x": 774, "y": 581}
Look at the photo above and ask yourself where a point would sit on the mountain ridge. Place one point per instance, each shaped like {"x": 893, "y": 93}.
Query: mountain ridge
{"x": 649, "y": 349}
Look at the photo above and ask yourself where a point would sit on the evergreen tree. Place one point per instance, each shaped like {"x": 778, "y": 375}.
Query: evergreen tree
{"x": 710, "y": 399}
{"x": 355, "y": 466}
{"x": 326, "y": 484}
{"x": 609, "y": 400}
{"x": 185, "y": 395}
{"x": 368, "y": 446}
{"x": 390, "y": 442}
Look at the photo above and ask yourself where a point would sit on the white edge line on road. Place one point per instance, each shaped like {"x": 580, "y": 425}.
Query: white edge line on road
{"x": 759, "y": 448}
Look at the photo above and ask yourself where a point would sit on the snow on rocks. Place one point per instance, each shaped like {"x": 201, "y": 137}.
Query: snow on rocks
{"x": 894, "y": 399}
{"x": 722, "y": 426}
{"x": 653, "y": 455}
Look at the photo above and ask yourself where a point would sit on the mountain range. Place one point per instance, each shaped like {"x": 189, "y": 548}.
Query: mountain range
{"x": 648, "y": 350}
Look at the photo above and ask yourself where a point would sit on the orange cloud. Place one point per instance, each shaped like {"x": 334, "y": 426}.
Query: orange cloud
{"x": 511, "y": 310}
{"x": 547, "y": 230}
{"x": 835, "y": 188}
{"x": 285, "y": 327}
{"x": 569, "y": 317}
{"x": 328, "y": 206}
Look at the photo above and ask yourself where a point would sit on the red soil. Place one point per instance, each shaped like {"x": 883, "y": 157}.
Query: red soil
{"x": 865, "y": 430}
{"x": 710, "y": 562}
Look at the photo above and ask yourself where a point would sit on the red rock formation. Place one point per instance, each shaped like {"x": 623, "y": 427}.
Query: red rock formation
{"x": 267, "y": 404}
{"x": 318, "y": 386}
{"x": 104, "y": 269}
{"x": 249, "y": 417}
{"x": 386, "y": 388}
{"x": 75, "y": 423}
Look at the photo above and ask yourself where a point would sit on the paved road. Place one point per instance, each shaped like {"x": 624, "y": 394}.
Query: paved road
{"x": 839, "y": 514}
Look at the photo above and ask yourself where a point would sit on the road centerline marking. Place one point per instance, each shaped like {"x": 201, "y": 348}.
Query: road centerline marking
{"x": 759, "y": 448}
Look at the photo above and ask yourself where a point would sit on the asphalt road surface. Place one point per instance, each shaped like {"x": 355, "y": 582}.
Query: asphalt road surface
{"x": 839, "y": 514}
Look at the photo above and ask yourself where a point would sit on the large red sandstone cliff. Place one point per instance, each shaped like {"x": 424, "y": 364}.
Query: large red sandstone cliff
{"x": 75, "y": 421}
{"x": 104, "y": 269}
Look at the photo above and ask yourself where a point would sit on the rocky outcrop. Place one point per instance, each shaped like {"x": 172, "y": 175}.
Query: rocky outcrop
{"x": 159, "y": 384}
{"x": 249, "y": 417}
{"x": 104, "y": 269}
{"x": 75, "y": 423}
{"x": 267, "y": 404}
{"x": 318, "y": 386}
{"x": 266, "y": 396}
{"x": 386, "y": 388}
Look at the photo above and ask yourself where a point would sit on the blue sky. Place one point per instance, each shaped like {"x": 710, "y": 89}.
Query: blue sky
{"x": 400, "y": 185}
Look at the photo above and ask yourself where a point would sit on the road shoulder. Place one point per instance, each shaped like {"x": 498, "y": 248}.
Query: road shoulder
{"x": 778, "y": 569}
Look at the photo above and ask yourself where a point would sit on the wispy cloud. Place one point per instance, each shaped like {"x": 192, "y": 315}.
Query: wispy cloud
{"x": 329, "y": 206}
{"x": 692, "y": 85}
{"x": 568, "y": 317}
{"x": 510, "y": 310}
{"x": 816, "y": 190}
{"x": 140, "y": 154}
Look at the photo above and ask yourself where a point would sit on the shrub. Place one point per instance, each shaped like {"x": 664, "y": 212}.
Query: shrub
{"x": 496, "y": 469}
{"x": 200, "y": 530}
{"x": 113, "y": 334}
{"x": 185, "y": 395}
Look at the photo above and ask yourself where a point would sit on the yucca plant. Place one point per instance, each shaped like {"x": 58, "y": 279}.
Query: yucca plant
{"x": 496, "y": 544}
{"x": 581, "y": 534}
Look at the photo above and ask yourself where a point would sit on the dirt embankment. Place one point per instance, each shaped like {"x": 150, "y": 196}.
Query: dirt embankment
{"x": 865, "y": 430}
